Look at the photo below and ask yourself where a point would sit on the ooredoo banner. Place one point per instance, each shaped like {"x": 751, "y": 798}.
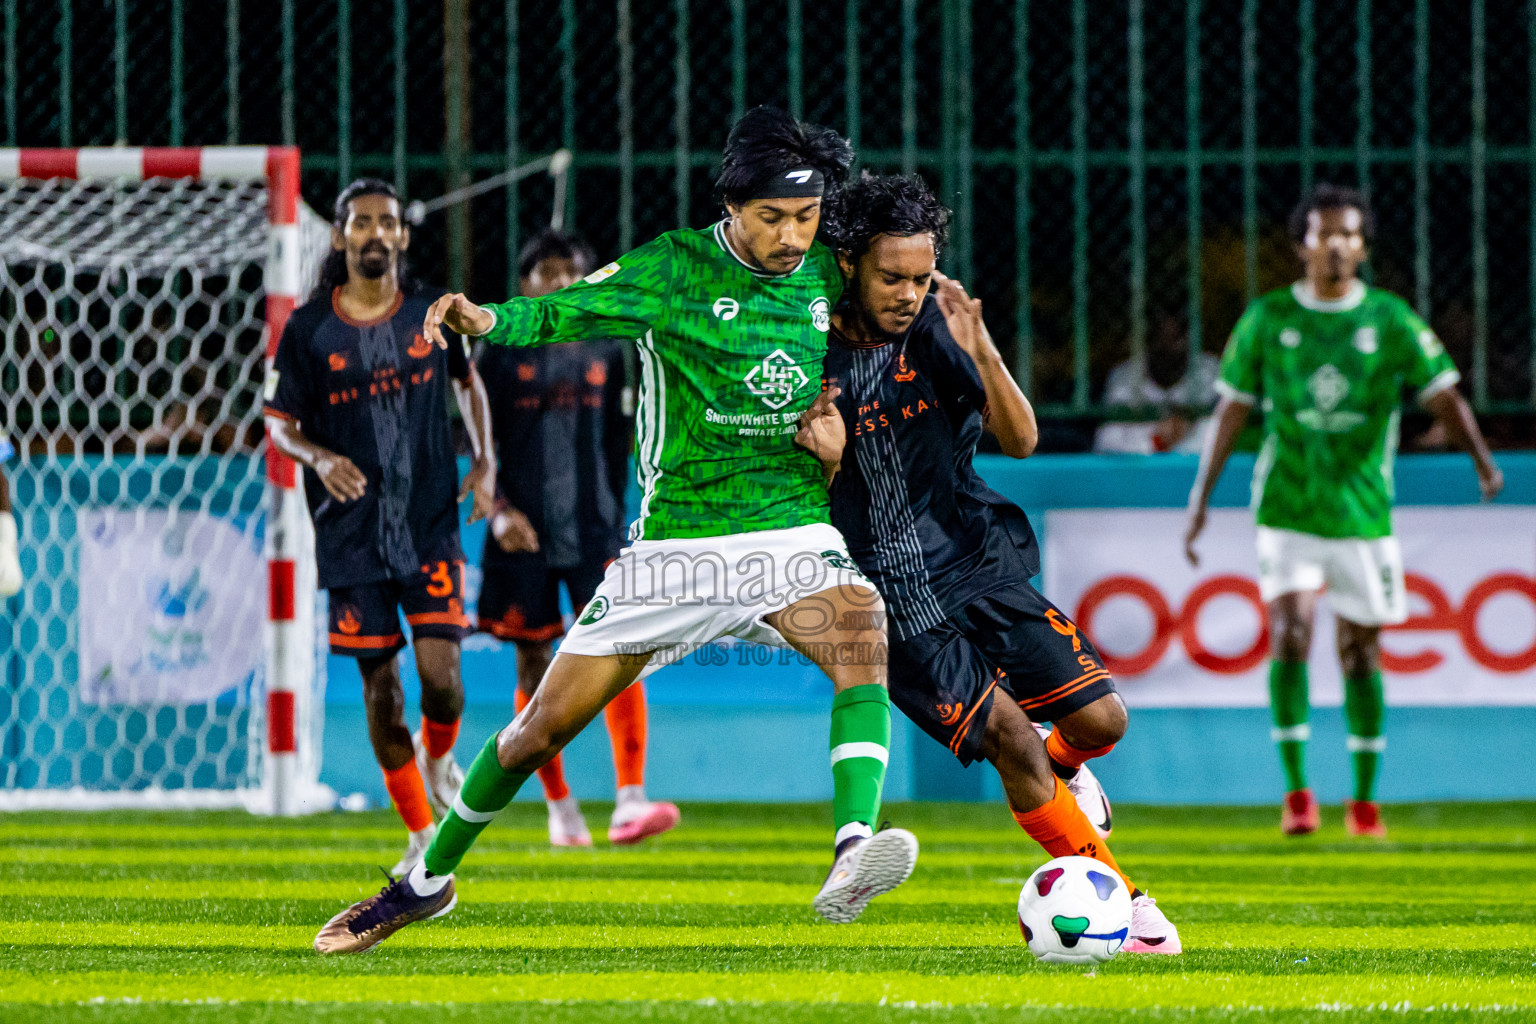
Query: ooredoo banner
{"x": 1178, "y": 636}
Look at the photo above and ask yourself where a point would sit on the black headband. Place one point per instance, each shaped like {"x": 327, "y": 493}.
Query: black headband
{"x": 797, "y": 182}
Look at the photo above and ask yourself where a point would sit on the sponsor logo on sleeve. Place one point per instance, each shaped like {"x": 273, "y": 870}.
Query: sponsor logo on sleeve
{"x": 602, "y": 273}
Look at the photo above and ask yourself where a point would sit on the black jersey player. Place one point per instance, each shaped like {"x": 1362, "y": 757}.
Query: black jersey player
{"x": 976, "y": 653}
{"x": 359, "y": 398}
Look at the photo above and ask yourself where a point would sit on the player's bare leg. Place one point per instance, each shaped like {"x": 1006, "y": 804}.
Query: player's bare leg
{"x": 1089, "y": 732}
{"x": 1048, "y": 812}
{"x": 442, "y": 704}
{"x": 842, "y": 630}
{"x": 1290, "y": 637}
{"x": 572, "y": 693}
{"x": 384, "y": 706}
{"x": 1365, "y": 713}
{"x": 566, "y": 825}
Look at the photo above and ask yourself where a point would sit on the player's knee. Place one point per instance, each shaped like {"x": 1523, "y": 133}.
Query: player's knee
{"x": 1100, "y": 724}
{"x": 1359, "y": 654}
{"x": 1292, "y": 637}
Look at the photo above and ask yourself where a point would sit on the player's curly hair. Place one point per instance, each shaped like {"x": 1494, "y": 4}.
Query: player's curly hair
{"x": 1327, "y": 196}
{"x": 896, "y": 204}
{"x": 768, "y": 141}
{"x": 333, "y": 269}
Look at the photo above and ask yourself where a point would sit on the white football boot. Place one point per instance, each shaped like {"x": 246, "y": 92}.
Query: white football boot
{"x": 414, "y": 850}
{"x": 1151, "y": 931}
{"x": 566, "y": 825}
{"x": 1089, "y": 794}
{"x": 442, "y": 775}
{"x": 866, "y": 868}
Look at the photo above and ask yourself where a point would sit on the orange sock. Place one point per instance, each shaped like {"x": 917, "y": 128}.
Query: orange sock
{"x": 438, "y": 737}
{"x": 409, "y": 794}
{"x": 1060, "y": 826}
{"x": 625, "y": 716}
{"x": 1069, "y": 756}
{"x": 552, "y": 775}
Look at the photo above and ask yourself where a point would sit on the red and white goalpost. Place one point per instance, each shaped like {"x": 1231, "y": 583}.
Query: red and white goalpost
{"x": 143, "y": 292}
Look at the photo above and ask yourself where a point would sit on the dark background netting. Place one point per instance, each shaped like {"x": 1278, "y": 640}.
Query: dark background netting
{"x": 1059, "y": 212}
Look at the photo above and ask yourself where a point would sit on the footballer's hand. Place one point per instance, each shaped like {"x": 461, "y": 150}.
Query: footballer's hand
{"x": 341, "y": 477}
{"x": 480, "y": 483}
{"x": 1490, "y": 480}
{"x": 962, "y": 315}
{"x": 513, "y": 531}
{"x": 457, "y": 314}
{"x": 821, "y": 429}
{"x": 1196, "y": 525}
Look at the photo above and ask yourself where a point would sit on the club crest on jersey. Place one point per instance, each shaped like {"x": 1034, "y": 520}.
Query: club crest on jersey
{"x": 726, "y": 308}
{"x": 821, "y": 314}
{"x": 1328, "y": 387}
{"x": 602, "y": 273}
{"x": 1290, "y": 337}
{"x": 776, "y": 379}
{"x": 1365, "y": 340}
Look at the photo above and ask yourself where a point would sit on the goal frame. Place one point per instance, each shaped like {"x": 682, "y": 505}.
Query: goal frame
{"x": 288, "y": 649}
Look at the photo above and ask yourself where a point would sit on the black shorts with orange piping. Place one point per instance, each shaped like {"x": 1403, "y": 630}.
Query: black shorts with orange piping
{"x": 1010, "y": 644}
{"x": 365, "y": 619}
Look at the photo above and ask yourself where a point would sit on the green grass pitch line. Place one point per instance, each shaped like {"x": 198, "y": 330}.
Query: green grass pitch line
{"x": 210, "y": 915}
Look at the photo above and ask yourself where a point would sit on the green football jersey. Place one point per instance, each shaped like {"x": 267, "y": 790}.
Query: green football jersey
{"x": 730, "y": 356}
{"x": 1329, "y": 376}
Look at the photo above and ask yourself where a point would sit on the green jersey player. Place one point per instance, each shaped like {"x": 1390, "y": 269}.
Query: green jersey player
{"x": 734, "y": 536}
{"x": 1328, "y": 360}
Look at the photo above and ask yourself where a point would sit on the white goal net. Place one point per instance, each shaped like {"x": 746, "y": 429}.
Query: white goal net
{"x": 135, "y": 330}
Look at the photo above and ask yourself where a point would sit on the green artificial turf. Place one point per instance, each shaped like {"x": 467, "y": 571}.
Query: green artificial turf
{"x": 209, "y": 916}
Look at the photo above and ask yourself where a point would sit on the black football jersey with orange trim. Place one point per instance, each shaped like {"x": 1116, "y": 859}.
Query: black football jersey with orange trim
{"x": 923, "y": 526}
{"x": 375, "y": 392}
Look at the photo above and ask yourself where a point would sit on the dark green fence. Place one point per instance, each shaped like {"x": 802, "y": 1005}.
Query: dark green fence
{"x": 1115, "y": 165}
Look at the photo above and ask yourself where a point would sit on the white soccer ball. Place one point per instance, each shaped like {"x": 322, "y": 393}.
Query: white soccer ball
{"x": 1074, "y": 910}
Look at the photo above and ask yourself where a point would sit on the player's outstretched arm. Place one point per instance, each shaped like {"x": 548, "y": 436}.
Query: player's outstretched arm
{"x": 1453, "y": 412}
{"x": 1010, "y": 417}
{"x": 458, "y": 314}
{"x": 341, "y": 477}
{"x": 1231, "y": 414}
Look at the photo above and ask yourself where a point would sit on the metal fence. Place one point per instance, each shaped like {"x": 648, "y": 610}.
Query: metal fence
{"x": 1117, "y": 167}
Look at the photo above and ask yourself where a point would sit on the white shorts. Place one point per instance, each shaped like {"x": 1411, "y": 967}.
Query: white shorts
{"x": 1364, "y": 578}
{"x": 673, "y": 597}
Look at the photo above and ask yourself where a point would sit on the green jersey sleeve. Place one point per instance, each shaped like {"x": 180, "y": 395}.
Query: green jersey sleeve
{"x": 622, "y": 300}
{"x": 1240, "y": 367}
{"x": 1426, "y": 367}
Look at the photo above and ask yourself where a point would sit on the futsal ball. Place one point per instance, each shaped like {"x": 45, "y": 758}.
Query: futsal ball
{"x": 1074, "y": 910}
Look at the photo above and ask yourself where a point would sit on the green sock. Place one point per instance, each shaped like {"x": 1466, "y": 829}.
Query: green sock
{"x": 1365, "y": 710}
{"x": 488, "y": 787}
{"x": 1288, "y": 703}
{"x": 861, "y": 742}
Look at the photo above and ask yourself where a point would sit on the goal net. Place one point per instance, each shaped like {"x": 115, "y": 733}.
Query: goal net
{"x": 162, "y": 651}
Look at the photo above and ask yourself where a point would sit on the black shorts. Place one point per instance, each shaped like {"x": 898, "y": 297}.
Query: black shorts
{"x": 365, "y": 620}
{"x": 1012, "y": 641}
{"x": 520, "y": 595}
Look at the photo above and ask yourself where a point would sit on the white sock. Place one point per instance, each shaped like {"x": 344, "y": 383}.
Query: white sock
{"x": 853, "y": 828}
{"x": 421, "y": 884}
{"x": 630, "y": 795}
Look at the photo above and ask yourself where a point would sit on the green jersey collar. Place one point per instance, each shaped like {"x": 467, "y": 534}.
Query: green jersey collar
{"x": 725, "y": 245}
{"x": 1308, "y": 300}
